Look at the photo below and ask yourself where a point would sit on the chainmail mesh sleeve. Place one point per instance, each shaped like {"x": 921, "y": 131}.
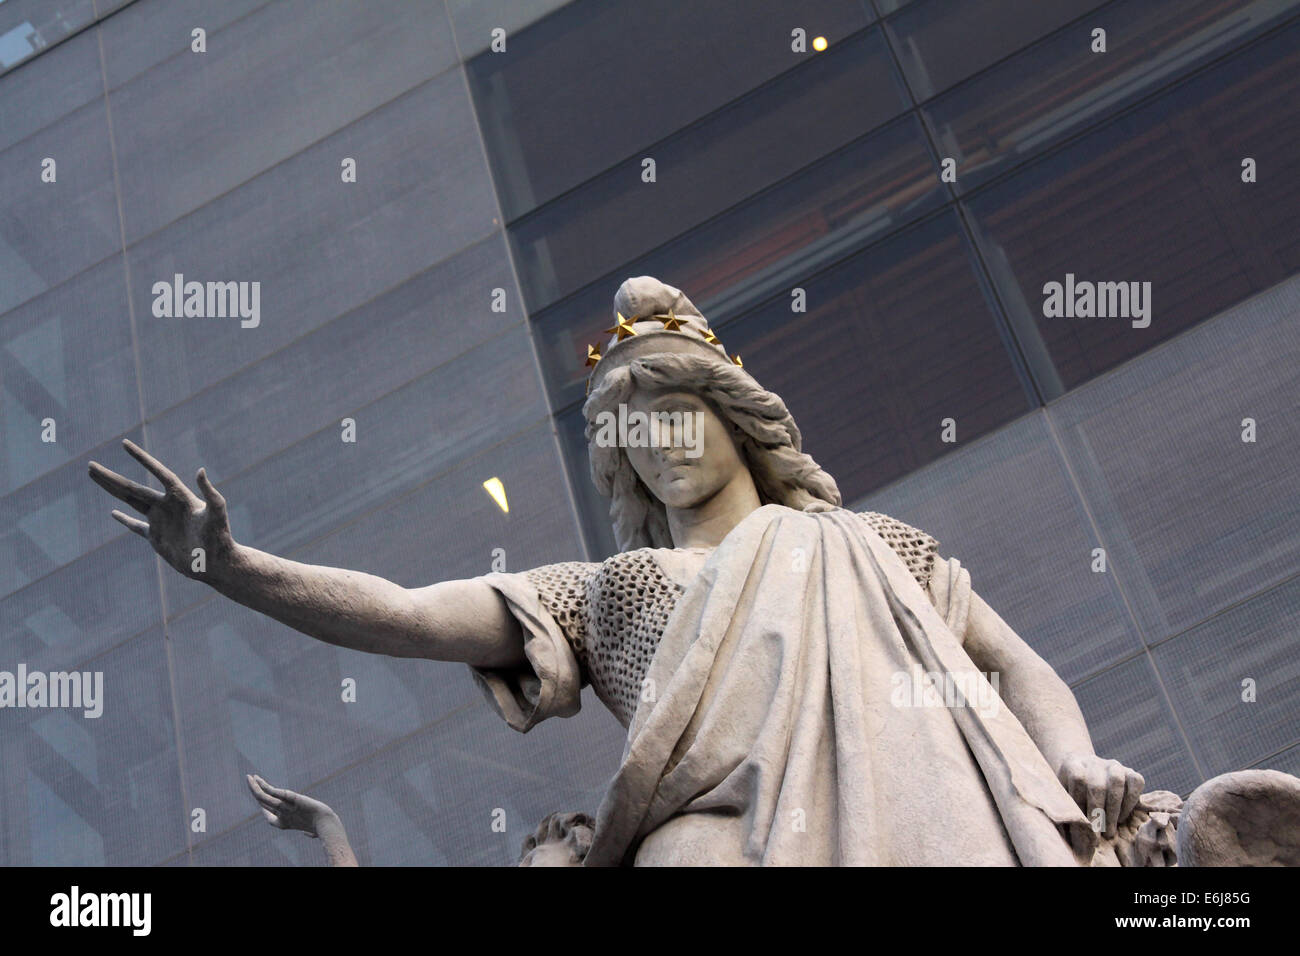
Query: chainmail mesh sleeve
{"x": 918, "y": 550}
{"x": 563, "y": 589}
{"x": 550, "y": 604}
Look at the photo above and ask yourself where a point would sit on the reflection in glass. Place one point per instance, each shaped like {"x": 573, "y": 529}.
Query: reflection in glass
{"x": 940, "y": 43}
{"x": 1157, "y": 196}
{"x": 596, "y": 81}
{"x": 851, "y": 198}
{"x": 1059, "y": 86}
{"x": 722, "y": 160}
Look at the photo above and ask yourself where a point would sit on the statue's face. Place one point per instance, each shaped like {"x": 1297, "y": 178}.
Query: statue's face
{"x": 696, "y": 455}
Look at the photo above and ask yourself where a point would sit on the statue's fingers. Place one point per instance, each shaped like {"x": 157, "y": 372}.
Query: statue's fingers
{"x": 257, "y": 785}
{"x": 1073, "y": 779}
{"x": 1133, "y": 784}
{"x": 1096, "y": 795}
{"x": 138, "y": 496}
{"x": 214, "y": 498}
{"x": 160, "y": 471}
{"x": 134, "y": 524}
{"x": 271, "y": 818}
{"x": 267, "y": 802}
{"x": 279, "y": 792}
{"x": 1115, "y": 791}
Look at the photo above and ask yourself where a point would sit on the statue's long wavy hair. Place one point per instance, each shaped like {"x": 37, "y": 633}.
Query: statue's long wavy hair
{"x": 768, "y": 438}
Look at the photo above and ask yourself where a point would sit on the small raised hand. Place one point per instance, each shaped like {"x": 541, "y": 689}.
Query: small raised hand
{"x": 287, "y": 810}
{"x": 178, "y": 520}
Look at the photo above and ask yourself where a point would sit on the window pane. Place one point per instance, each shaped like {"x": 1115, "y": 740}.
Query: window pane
{"x": 50, "y": 88}
{"x": 1203, "y": 672}
{"x": 940, "y": 43}
{"x": 707, "y": 168}
{"x": 793, "y": 230}
{"x": 1194, "y": 519}
{"x": 273, "y": 85}
{"x": 29, "y": 26}
{"x": 50, "y": 231}
{"x": 65, "y": 355}
{"x": 152, "y": 31}
{"x": 895, "y": 339}
{"x": 103, "y": 791}
{"x": 1059, "y": 86}
{"x": 598, "y": 80}
{"x": 474, "y": 20}
{"x": 1156, "y": 196}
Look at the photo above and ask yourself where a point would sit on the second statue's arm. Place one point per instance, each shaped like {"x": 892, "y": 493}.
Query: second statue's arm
{"x": 463, "y": 621}
{"x": 1046, "y": 707}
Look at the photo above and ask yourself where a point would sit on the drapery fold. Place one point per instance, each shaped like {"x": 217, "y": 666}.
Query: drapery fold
{"x": 553, "y": 686}
{"x": 776, "y": 733}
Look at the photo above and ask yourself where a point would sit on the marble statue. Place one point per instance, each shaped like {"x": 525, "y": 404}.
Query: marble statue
{"x": 801, "y": 684}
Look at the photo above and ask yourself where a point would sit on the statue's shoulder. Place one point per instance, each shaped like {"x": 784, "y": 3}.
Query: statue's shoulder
{"x": 918, "y": 549}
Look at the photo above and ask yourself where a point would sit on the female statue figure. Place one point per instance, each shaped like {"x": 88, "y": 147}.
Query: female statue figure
{"x": 801, "y": 684}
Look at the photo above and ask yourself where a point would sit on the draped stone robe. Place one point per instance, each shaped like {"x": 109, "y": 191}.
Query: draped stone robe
{"x": 761, "y": 699}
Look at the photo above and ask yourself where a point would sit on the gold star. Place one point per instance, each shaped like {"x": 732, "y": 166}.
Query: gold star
{"x": 593, "y": 354}
{"x": 736, "y": 359}
{"x": 710, "y": 337}
{"x": 623, "y": 326}
{"x": 670, "y": 321}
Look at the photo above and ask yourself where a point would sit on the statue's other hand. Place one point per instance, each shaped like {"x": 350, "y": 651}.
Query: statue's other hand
{"x": 288, "y": 810}
{"x": 1097, "y": 784}
{"x": 179, "y": 522}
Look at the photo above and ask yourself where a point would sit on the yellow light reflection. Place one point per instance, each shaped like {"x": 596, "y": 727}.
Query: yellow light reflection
{"x": 498, "y": 493}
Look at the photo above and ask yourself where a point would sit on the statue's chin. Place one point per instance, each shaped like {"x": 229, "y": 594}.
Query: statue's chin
{"x": 682, "y": 498}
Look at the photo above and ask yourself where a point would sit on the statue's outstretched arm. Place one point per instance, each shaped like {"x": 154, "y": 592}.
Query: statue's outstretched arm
{"x": 463, "y": 621}
{"x": 288, "y": 810}
{"x": 1045, "y": 706}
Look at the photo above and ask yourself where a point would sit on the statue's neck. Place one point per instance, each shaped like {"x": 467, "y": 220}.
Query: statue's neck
{"x": 705, "y": 525}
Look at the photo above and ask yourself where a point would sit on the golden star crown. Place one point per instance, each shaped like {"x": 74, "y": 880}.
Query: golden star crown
{"x": 624, "y": 327}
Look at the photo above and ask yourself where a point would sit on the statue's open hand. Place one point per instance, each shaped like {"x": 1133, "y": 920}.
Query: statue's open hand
{"x": 179, "y": 521}
{"x": 1106, "y": 790}
{"x": 289, "y": 810}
